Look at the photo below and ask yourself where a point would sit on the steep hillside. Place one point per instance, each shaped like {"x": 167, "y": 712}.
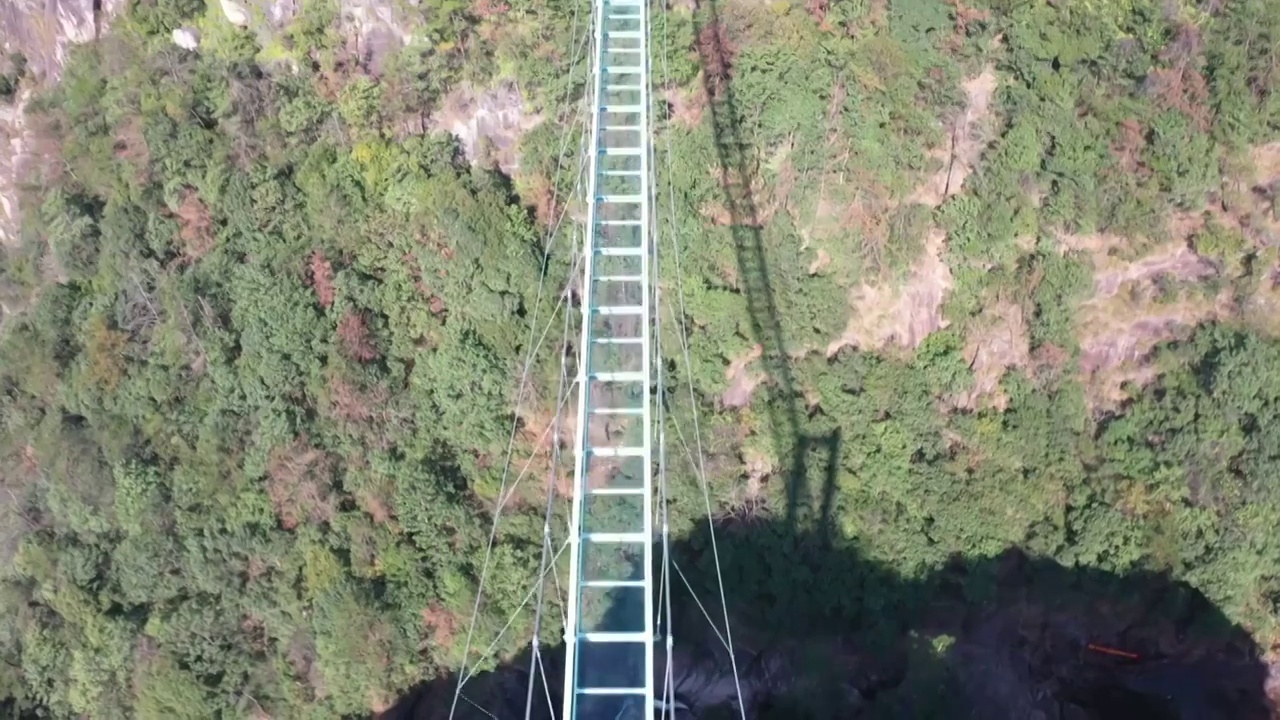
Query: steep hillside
{"x": 980, "y": 303}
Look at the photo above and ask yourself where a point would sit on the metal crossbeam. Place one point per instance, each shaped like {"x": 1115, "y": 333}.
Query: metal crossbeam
{"x": 609, "y": 636}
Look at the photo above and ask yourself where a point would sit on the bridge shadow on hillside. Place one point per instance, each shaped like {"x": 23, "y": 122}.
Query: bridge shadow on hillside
{"x": 823, "y": 632}
{"x": 738, "y": 163}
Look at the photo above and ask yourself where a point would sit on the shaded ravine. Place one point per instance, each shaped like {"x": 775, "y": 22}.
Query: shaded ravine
{"x": 823, "y": 632}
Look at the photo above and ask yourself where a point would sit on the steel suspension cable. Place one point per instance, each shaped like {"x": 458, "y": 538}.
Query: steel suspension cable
{"x": 503, "y": 496}
{"x": 664, "y": 586}
{"x": 700, "y": 468}
{"x": 512, "y": 619}
{"x": 546, "y": 689}
{"x": 552, "y": 232}
{"x": 550, "y": 570}
{"x": 552, "y": 475}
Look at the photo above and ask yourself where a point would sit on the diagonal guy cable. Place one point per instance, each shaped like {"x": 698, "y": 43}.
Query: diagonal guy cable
{"x": 688, "y": 364}
{"x": 524, "y": 376}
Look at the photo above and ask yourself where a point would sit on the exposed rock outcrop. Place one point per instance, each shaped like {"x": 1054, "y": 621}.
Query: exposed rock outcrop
{"x": 487, "y": 123}
{"x": 236, "y": 13}
{"x": 44, "y": 30}
{"x": 901, "y": 314}
{"x": 13, "y": 142}
{"x": 186, "y": 38}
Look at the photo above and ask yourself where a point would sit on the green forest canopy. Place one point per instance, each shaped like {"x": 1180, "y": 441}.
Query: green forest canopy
{"x": 265, "y": 343}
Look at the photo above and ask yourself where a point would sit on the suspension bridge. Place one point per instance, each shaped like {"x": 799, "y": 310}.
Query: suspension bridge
{"x": 618, "y": 644}
{"x": 610, "y": 636}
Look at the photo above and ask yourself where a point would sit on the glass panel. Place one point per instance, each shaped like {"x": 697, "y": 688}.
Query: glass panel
{"x": 620, "y": 138}
{"x": 616, "y": 326}
{"x": 622, "y": 77}
{"x": 618, "y": 265}
{"x": 621, "y": 10}
{"x": 620, "y": 118}
{"x": 619, "y": 184}
{"x": 616, "y": 430}
{"x": 619, "y": 236}
{"x": 617, "y": 395}
{"x": 615, "y": 23}
{"x": 612, "y": 561}
{"x": 619, "y": 609}
{"x": 613, "y": 513}
{"x": 617, "y": 96}
{"x": 623, "y": 58}
{"x": 617, "y": 211}
{"x": 618, "y": 292}
{"x": 619, "y": 162}
{"x": 610, "y": 665}
{"x": 612, "y": 42}
{"x": 610, "y": 707}
{"x": 615, "y": 357}
{"x": 615, "y": 472}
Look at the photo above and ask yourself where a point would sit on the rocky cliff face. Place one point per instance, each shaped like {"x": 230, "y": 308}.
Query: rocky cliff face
{"x": 42, "y": 32}
{"x": 13, "y": 142}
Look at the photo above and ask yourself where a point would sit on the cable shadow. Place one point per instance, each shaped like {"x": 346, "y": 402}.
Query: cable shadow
{"x": 737, "y": 176}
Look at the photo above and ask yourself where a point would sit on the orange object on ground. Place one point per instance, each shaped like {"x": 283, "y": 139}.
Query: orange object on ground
{"x": 1112, "y": 651}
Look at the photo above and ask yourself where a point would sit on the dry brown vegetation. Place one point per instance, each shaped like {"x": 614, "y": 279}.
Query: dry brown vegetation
{"x": 299, "y": 477}
{"x": 131, "y": 147}
{"x": 322, "y": 278}
{"x": 1128, "y": 148}
{"x": 442, "y": 624}
{"x": 300, "y": 654}
{"x": 195, "y": 226}
{"x": 686, "y": 106}
{"x": 741, "y": 382}
{"x": 902, "y": 314}
{"x": 751, "y": 200}
{"x": 717, "y": 51}
{"x": 537, "y": 431}
{"x": 352, "y": 404}
{"x": 1180, "y": 85}
{"x": 355, "y": 339}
